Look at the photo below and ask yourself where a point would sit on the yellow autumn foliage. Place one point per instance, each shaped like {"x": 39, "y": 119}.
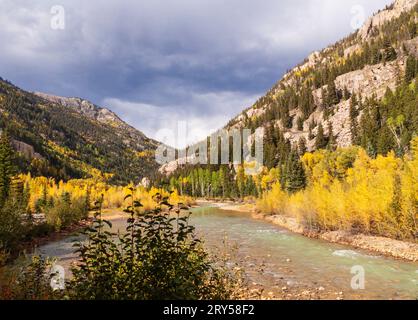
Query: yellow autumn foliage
{"x": 348, "y": 190}
{"x": 40, "y": 188}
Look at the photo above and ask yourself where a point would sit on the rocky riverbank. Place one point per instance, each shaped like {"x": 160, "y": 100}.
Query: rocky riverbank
{"x": 381, "y": 245}
{"x": 55, "y": 236}
{"x": 386, "y": 246}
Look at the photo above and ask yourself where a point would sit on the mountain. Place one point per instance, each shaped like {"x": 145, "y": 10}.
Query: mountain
{"x": 364, "y": 64}
{"x": 132, "y": 137}
{"x": 349, "y": 93}
{"x": 73, "y": 138}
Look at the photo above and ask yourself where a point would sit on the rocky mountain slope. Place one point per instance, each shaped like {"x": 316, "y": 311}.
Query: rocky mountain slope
{"x": 345, "y": 66}
{"x": 342, "y": 92}
{"x": 131, "y": 136}
{"x": 73, "y": 138}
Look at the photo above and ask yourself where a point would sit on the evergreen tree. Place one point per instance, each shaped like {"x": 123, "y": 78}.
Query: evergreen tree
{"x": 412, "y": 28}
{"x": 286, "y": 118}
{"x": 269, "y": 147}
{"x": 294, "y": 174}
{"x": 302, "y": 146}
{"x": 283, "y": 148}
{"x": 87, "y": 200}
{"x": 16, "y": 192}
{"x": 369, "y": 129}
{"x": 385, "y": 142}
{"x": 7, "y": 169}
{"x": 223, "y": 179}
{"x": 332, "y": 143}
{"x": 389, "y": 53}
{"x": 353, "y": 119}
{"x": 332, "y": 94}
{"x": 300, "y": 124}
{"x": 66, "y": 198}
{"x": 411, "y": 66}
{"x": 321, "y": 141}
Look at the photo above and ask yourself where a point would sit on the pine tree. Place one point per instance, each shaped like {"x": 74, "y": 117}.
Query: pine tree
{"x": 412, "y": 28}
{"x": 389, "y": 53}
{"x": 7, "y": 169}
{"x": 294, "y": 174}
{"x": 223, "y": 179}
{"x": 310, "y": 134}
{"x": 283, "y": 148}
{"x": 332, "y": 94}
{"x": 369, "y": 129}
{"x": 16, "y": 189}
{"x": 353, "y": 119}
{"x": 269, "y": 146}
{"x": 332, "y": 143}
{"x": 410, "y": 72}
{"x": 302, "y": 146}
{"x": 286, "y": 118}
{"x": 321, "y": 141}
{"x": 300, "y": 124}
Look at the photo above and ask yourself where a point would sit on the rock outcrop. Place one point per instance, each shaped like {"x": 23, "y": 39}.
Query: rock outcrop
{"x": 26, "y": 150}
{"x": 132, "y": 137}
{"x": 372, "y": 80}
{"x": 412, "y": 47}
{"x": 392, "y": 12}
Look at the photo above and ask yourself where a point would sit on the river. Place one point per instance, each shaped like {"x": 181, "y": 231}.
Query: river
{"x": 285, "y": 264}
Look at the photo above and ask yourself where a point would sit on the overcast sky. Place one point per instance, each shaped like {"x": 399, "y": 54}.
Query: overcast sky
{"x": 154, "y": 62}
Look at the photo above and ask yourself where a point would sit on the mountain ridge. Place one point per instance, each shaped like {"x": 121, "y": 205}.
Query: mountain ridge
{"x": 361, "y": 66}
{"x": 377, "y": 77}
{"x": 101, "y": 114}
{"x": 68, "y": 138}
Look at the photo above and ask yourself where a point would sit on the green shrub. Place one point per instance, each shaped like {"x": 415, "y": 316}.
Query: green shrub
{"x": 11, "y": 226}
{"x": 65, "y": 212}
{"x": 39, "y": 230}
{"x": 159, "y": 257}
{"x": 28, "y": 279}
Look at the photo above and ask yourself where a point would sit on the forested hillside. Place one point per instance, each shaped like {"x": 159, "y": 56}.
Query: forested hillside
{"x": 56, "y": 139}
{"x": 340, "y": 145}
{"x": 359, "y": 91}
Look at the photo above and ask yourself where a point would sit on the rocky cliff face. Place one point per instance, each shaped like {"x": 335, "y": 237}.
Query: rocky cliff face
{"x": 131, "y": 137}
{"x": 365, "y": 64}
{"x": 372, "y": 80}
{"x": 392, "y": 12}
{"x": 86, "y": 108}
{"x": 26, "y": 150}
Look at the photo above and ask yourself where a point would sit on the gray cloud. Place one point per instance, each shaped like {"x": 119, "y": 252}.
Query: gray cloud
{"x": 200, "y": 60}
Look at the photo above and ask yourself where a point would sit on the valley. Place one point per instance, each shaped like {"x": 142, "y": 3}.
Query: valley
{"x": 311, "y": 194}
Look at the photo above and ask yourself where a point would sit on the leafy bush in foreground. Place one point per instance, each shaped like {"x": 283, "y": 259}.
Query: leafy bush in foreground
{"x": 27, "y": 279}
{"x": 159, "y": 257}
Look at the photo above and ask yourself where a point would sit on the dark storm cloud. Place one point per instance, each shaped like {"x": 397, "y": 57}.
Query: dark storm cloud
{"x": 154, "y": 62}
